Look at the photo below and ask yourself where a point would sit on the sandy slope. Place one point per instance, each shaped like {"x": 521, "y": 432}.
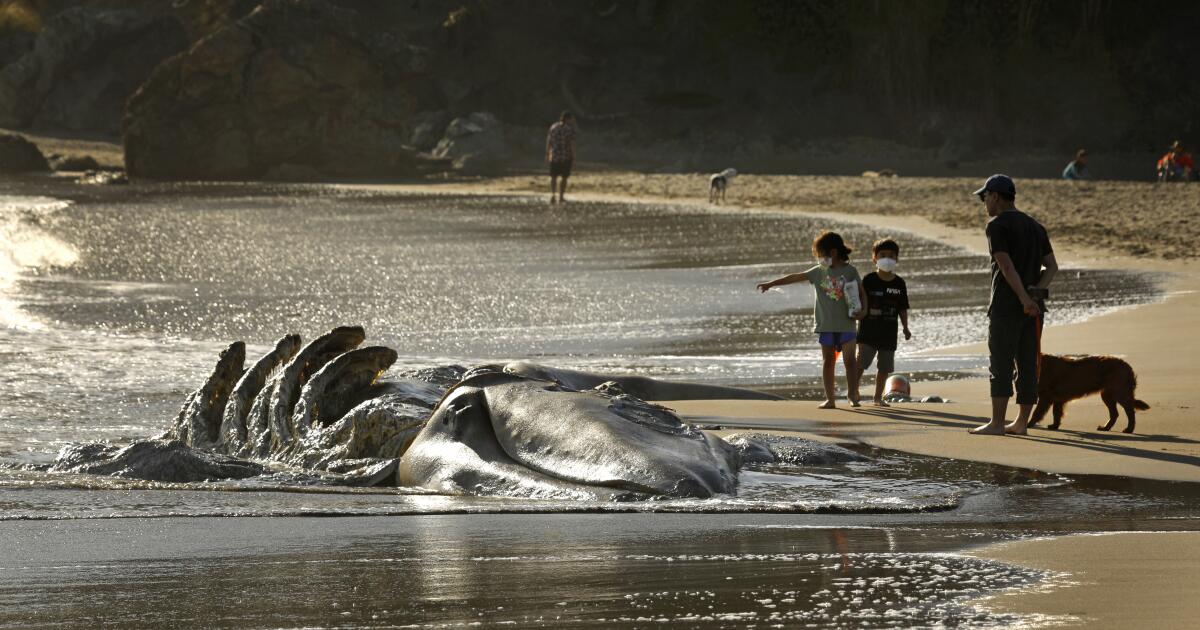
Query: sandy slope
{"x": 1139, "y": 218}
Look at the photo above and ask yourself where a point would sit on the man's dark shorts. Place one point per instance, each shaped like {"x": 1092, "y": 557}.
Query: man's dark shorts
{"x": 561, "y": 169}
{"x": 1014, "y": 339}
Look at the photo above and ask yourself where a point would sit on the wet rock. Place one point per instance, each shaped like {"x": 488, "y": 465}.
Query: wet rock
{"x": 153, "y": 460}
{"x": 475, "y": 143}
{"x": 104, "y": 178}
{"x": 479, "y": 132}
{"x": 299, "y": 82}
{"x": 18, "y": 155}
{"x": 428, "y": 129}
{"x": 74, "y": 163}
{"x": 82, "y": 66}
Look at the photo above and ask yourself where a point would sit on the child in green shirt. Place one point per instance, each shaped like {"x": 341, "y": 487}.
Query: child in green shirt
{"x": 836, "y": 324}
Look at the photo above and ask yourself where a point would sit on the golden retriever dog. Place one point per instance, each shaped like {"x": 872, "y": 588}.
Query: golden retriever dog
{"x": 1063, "y": 379}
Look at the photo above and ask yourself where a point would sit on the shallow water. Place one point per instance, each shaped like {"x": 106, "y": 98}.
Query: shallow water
{"x": 549, "y": 571}
{"x": 114, "y": 303}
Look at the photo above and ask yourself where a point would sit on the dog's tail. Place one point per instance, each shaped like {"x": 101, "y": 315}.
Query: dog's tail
{"x": 1140, "y": 405}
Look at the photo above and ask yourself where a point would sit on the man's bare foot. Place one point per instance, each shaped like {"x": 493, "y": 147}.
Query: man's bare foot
{"x": 553, "y": 200}
{"x": 880, "y": 403}
{"x": 855, "y": 403}
{"x": 1012, "y": 429}
{"x": 988, "y": 429}
{"x": 828, "y": 404}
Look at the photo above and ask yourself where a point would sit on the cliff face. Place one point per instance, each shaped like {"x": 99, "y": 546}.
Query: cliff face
{"x": 976, "y": 74}
{"x": 293, "y": 83}
{"x": 76, "y": 72}
{"x": 340, "y": 85}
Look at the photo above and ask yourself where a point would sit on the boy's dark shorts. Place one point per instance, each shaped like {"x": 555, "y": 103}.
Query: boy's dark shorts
{"x": 867, "y": 353}
{"x": 561, "y": 169}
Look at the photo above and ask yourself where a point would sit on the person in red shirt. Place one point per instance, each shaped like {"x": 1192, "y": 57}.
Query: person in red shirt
{"x": 1176, "y": 165}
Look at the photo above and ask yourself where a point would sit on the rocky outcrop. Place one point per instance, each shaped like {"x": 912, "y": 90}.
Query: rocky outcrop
{"x": 104, "y": 178}
{"x": 427, "y": 129}
{"x": 474, "y": 144}
{"x": 296, "y": 82}
{"x": 82, "y": 66}
{"x": 18, "y": 155}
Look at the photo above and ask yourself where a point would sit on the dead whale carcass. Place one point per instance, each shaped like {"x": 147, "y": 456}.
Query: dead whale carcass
{"x": 323, "y": 407}
{"x": 504, "y": 434}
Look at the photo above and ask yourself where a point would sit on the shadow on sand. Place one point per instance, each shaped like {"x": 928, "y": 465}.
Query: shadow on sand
{"x": 1136, "y": 445}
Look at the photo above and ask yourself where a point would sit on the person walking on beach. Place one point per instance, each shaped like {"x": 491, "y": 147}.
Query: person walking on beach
{"x": 1023, "y": 266}
{"x": 837, "y": 290}
{"x": 560, "y": 153}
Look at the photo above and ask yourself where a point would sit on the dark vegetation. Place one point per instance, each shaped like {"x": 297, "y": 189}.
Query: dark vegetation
{"x": 720, "y": 78}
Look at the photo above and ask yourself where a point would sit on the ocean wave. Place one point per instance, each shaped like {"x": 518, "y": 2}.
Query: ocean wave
{"x": 26, "y": 245}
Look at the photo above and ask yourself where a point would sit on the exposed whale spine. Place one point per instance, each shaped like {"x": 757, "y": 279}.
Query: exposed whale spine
{"x": 233, "y": 421}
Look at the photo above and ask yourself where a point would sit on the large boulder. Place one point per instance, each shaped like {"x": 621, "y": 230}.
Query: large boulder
{"x": 479, "y": 132}
{"x": 427, "y": 129}
{"x": 82, "y": 66}
{"x": 475, "y": 144}
{"x": 298, "y": 82}
{"x": 18, "y": 155}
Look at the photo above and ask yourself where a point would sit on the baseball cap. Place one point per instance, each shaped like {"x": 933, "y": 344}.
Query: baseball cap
{"x": 1002, "y": 184}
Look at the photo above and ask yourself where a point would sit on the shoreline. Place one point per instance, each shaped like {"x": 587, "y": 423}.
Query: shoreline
{"x": 1101, "y": 581}
{"x": 1165, "y": 447}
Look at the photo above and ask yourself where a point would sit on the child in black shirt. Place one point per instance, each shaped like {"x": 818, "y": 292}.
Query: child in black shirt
{"x": 887, "y": 299}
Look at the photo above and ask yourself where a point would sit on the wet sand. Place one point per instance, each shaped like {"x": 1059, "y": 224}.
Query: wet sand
{"x": 1120, "y": 580}
{"x": 1135, "y": 218}
{"x": 544, "y": 570}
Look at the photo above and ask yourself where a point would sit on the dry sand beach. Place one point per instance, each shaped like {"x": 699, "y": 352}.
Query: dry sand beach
{"x": 1114, "y": 224}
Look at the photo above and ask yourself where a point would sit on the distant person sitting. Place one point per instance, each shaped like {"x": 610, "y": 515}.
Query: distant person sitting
{"x": 1176, "y": 165}
{"x": 1077, "y": 168}
{"x": 560, "y": 153}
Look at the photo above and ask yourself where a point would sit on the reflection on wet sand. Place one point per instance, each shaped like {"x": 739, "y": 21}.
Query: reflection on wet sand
{"x": 549, "y": 570}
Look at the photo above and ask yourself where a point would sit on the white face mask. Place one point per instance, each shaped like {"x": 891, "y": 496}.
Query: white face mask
{"x": 886, "y": 264}
{"x": 825, "y": 262}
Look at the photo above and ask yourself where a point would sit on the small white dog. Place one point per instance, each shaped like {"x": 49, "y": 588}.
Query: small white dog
{"x": 718, "y": 183}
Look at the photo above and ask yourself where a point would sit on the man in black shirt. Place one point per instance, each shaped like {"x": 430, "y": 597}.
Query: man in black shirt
{"x": 1023, "y": 265}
